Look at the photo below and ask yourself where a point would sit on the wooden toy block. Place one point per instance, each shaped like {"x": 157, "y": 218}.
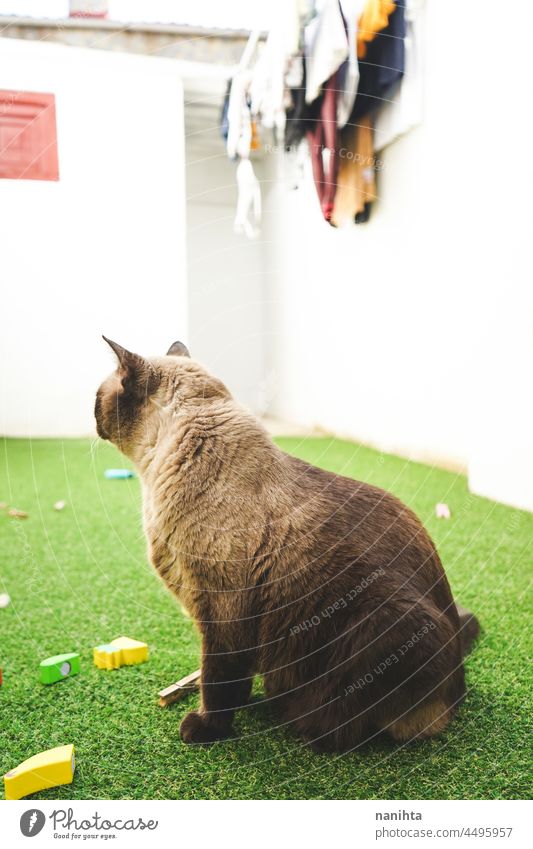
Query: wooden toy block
{"x": 58, "y": 667}
{"x": 180, "y": 689}
{"x": 47, "y": 769}
{"x": 120, "y": 652}
{"x": 133, "y": 651}
{"x": 17, "y": 514}
{"x": 107, "y": 657}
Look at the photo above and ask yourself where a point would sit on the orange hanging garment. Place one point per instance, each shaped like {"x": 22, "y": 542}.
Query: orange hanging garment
{"x": 375, "y": 17}
{"x": 356, "y": 180}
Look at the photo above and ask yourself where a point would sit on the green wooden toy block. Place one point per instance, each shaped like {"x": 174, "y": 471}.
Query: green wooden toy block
{"x": 59, "y": 667}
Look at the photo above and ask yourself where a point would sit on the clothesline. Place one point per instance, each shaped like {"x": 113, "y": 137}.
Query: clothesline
{"x": 332, "y": 75}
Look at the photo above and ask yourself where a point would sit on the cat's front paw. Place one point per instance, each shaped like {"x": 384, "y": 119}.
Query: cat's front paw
{"x": 196, "y": 728}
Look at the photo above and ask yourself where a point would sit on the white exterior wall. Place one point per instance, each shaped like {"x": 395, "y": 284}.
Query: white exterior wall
{"x": 414, "y": 332}
{"x": 100, "y": 251}
{"x": 225, "y": 270}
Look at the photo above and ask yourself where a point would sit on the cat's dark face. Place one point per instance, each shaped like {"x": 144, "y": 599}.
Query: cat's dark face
{"x": 116, "y": 413}
{"x": 132, "y": 402}
{"x": 123, "y": 401}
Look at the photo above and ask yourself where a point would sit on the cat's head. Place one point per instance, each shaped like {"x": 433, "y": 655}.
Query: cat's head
{"x": 129, "y": 403}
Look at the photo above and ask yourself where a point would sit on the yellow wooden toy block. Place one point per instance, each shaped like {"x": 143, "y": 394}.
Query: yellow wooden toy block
{"x": 120, "y": 652}
{"x": 47, "y": 769}
{"x": 107, "y": 657}
{"x": 133, "y": 651}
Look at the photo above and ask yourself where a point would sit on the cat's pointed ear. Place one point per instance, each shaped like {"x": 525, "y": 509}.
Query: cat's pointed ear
{"x": 178, "y": 349}
{"x": 139, "y": 377}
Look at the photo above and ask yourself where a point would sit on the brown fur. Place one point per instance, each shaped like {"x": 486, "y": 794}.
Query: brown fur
{"x": 328, "y": 588}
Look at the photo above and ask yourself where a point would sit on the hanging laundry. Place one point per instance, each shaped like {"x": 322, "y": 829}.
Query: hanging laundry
{"x": 380, "y": 73}
{"x": 255, "y": 141}
{"x": 328, "y": 81}
{"x": 242, "y": 138}
{"x": 239, "y": 117}
{"x": 403, "y": 108}
{"x": 375, "y": 17}
{"x": 279, "y": 66}
{"x": 323, "y": 57}
{"x": 248, "y": 216}
{"x": 291, "y": 17}
{"x": 298, "y": 112}
{"x": 356, "y": 179}
{"x": 322, "y": 138}
{"x": 349, "y": 70}
{"x": 326, "y": 47}
{"x": 294, "y": 165}
{"x": 267, "y": 86}
{"x": 326, "y": 51}
{"x": 224, "y": 123}
{"x": 382, "y": 69}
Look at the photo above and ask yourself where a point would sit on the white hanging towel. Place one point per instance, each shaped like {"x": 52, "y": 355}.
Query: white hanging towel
{"x": 267, "y": 84}
{"x": 278, "y": 56}
{"x": 326, "y": 46}
{"x": 351, "y": 10}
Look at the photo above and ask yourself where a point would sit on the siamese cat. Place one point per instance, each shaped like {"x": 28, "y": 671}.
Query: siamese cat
{"x": 328, "y": 588}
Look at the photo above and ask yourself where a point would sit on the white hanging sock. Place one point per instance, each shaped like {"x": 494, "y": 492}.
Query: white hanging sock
{"x": 248, "y": 217}
{"x": 293, "y": 165}
{"x": 238, "y": 145}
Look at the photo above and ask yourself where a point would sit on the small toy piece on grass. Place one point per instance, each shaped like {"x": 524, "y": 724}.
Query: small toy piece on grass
{"x": 118, "y": 474}
{"x": 4, "y": 599}
{"x": 120, "y": 652}
{"x": 17, "y": 514}
{"x": 180, "y": 689}
{"x": 47, "y": 769}
{"x": 60, "y": 505}
{"x": 442, "y": 511}
{"x": 58, "y": 667}
{"x": 1, "y": 677}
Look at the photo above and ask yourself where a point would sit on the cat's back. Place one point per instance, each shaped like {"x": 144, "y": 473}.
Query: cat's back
{"x": 340, "y": 500}
{"x": 358, "y": 523}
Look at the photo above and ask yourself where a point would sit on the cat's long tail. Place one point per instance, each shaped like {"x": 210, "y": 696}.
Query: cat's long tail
{"x": 469, "y": 628}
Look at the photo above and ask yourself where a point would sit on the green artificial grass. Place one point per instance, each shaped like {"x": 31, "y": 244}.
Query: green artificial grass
{"x": 80, "y": 577}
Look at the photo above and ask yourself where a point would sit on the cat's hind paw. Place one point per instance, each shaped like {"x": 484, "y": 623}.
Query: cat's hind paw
{"x": 197, "y": 729}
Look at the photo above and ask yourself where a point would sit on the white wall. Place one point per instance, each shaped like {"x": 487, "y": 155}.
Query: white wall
{"x": 410, "y": 332}
{"x": 100, "y": 251}
{"x": 225, "y": 271}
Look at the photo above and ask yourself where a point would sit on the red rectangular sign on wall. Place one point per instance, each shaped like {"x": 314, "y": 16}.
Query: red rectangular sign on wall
{"x": 28, "y": 136}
